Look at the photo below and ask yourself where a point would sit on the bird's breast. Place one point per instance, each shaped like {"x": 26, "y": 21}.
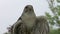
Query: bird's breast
{"x": 29, "y": 22}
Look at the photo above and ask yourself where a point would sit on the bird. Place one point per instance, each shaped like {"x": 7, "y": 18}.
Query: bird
{"x": 29, "y": 23}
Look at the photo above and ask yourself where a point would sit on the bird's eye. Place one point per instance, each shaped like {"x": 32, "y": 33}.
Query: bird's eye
{"x": 26, "y": 7}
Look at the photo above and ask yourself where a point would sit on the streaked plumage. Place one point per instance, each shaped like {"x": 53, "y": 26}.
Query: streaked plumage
{"x": 29, "y": 23}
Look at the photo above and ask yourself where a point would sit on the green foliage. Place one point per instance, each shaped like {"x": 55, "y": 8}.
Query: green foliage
{"x": 55, "y": 18}
{"x": 55, "y": 31}
{"x": 50, "y": 19}
{"x": 58, "y": 1}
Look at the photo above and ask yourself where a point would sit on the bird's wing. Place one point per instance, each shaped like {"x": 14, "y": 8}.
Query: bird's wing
{"x": 41, "y": 26}
{"x": 19, "y": 27}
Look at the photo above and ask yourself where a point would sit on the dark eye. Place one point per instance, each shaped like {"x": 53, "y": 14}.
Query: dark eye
{"x": 26, "y": 7}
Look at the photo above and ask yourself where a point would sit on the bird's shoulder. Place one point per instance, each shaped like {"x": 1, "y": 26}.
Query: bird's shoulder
{"x": 42, "y": 18}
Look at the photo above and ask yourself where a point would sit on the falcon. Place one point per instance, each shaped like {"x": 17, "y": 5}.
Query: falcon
{"x": 29, "y": 23}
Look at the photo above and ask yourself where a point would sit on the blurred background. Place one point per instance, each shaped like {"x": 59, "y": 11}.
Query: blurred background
{"x": 11, "y": 10}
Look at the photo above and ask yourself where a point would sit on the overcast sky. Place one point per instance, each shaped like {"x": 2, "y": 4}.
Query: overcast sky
{"x": 10, "y": 11}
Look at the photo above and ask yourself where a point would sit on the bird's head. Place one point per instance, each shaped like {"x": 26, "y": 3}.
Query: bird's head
{"x": 28, "y": 9}
{"x": 28, "y": 12}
